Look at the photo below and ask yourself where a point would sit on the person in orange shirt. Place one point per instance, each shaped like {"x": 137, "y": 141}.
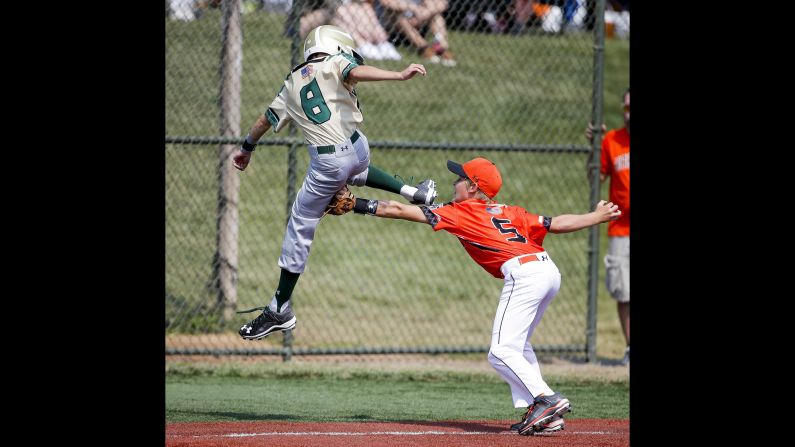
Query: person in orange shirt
{"x": 615, "y": 163}
{"x": 507, "y": 242}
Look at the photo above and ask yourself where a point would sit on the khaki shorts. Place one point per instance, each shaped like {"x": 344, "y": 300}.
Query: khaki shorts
{"x": 617, "y": 268}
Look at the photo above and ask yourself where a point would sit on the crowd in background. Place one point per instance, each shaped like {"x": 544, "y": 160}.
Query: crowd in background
{"x": 378, "y": 26}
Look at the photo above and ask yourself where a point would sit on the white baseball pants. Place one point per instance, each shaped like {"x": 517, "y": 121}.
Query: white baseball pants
{"x": 528, "y": 290}
{"x": 326, "y": 174}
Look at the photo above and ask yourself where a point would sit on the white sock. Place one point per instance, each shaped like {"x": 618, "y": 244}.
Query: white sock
{"x": 388, "y": 50}
{"x": 272, "y": 306}
{"x": 408, "y": 191}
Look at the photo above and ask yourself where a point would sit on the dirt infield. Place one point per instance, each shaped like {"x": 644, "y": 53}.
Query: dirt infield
{"x": 578, "y": 432}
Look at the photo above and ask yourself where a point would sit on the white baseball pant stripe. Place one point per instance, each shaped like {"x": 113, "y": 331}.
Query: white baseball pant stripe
{"x": 528, "y": 290}
{"x": 326, "y": 174}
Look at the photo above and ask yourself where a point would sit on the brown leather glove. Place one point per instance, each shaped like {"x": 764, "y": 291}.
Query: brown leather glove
{"x": 342, "y": 202}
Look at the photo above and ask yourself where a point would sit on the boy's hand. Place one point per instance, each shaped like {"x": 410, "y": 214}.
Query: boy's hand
{"x": 241, "y": 159}
{"x": 589, "y": 132}
{"x": 412, "y": 70}
{"x": 606, "y": 211}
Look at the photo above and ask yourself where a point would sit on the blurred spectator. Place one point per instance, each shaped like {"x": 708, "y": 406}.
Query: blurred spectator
{"x": 184, "y": 10}
{"x": 359, "y": 18}
{"x": 314, "y": 13}
{"x": 467, "y": 15}
{"x": 189, "y": 10}
{"x": 516, "y": 16}
{"x": 356, "y": 16}
{"x": 617, "y": 18}
{"x": 411, "y": 17}
{"x": 279, "y": 6}
{"x": 545, "y": 13}
{"x": 575, "y": 13}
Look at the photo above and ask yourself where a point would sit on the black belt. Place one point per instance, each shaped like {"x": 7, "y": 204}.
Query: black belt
{"x": 331, "y": 149}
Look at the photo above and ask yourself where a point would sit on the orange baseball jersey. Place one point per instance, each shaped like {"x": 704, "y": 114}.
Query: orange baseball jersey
{"x": 490, "y": 233}
{"x": 615, "y": 163}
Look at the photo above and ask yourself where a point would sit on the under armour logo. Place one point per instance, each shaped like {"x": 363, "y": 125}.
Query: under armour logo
{"x": 247, "y": 328}
{"x": 344, "y": 148}
{"x": 543, "y": 258}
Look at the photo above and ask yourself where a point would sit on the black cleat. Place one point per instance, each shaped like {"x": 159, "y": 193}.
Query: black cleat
{"x": 551, "y": 426}
{"x": 544, "y": 410}
{"x": 267, "y": 323}
{"x": 426, "y": 193}
{"x": 556, "y": 424}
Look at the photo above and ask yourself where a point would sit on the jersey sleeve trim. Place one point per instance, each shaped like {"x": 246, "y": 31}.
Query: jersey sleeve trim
{"x": 349, "y": 67}
{"x": 272, "y": 117}
{"x": 347, "y": 71}
{"x": 432, "y": 218}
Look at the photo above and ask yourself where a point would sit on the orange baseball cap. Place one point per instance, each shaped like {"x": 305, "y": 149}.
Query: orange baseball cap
{"x": 481, "y": 172}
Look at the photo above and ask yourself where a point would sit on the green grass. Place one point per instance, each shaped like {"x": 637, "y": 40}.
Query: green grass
{"x": 402, "y": 283}
{"x": 399, "y": 396}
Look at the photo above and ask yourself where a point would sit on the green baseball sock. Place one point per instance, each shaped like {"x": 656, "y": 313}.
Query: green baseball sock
{"x": 284, "y": 291}
{"x": 380, "y": 179}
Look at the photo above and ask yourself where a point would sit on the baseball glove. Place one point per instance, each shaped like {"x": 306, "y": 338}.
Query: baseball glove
{"x": 342, "y": 202}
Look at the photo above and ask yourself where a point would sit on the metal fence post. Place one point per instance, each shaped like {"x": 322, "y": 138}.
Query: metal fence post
{"x": 230, "y": 65}
{"x": 296, "y": 51}
{"x": 593, "y": 174}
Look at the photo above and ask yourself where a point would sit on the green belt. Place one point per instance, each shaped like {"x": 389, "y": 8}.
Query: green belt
{"x": 332, "y": 148}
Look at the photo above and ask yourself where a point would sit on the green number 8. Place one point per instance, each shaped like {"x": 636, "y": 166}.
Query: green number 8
{"x": 313, "y": 103}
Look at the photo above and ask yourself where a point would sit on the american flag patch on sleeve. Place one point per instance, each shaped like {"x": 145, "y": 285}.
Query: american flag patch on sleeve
{"x": 306, "y": 71}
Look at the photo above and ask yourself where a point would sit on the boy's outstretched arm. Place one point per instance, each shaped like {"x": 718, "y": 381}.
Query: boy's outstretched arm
{"x": 369, "y": 73}
{"x": 566, "y": 223}
{"x": 390, "y": 209}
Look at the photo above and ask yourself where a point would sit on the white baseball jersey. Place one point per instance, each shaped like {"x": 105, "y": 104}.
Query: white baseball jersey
{"x": 319, "y": 98}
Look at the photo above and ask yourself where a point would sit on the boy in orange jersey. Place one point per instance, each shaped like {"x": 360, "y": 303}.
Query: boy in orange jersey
{"x": 507, "y": 242}
{"x": 615, "y": 163}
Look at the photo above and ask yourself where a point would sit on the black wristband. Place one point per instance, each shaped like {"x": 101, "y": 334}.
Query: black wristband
{"x": 372, "y": 207}
{"x": 364, "y": 206}
{"x": 360, "y": 207}
{"x": 249, "y": 146}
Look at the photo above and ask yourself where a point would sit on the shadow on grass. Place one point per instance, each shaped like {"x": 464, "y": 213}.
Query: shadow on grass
{"x": 263, "y": 417}
{"x": 237, "y": 416}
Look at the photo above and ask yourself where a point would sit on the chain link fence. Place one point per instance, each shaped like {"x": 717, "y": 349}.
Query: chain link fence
{"x": 512, "y": 81}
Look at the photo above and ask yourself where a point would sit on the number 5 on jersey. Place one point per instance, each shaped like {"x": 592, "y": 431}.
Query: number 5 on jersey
{"x": 313, "y": 103}
{"x": 500, "y": 225}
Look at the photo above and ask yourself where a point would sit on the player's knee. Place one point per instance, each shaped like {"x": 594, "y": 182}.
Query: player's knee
{"x": 359, "y": 179}
{"x": 493, "y": 359}
{"x": 501, "y": 352}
